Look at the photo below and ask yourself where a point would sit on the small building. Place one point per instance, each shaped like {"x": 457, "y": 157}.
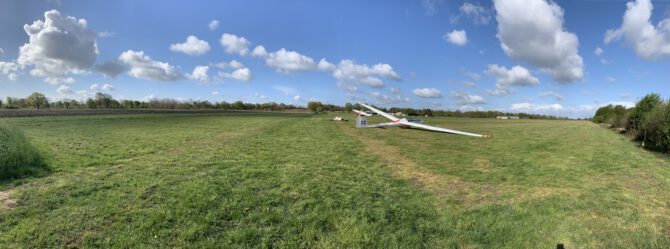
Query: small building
{"x": 507, "y": 117}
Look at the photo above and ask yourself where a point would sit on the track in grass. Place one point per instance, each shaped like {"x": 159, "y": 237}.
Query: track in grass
{"x": 293, "y": 180}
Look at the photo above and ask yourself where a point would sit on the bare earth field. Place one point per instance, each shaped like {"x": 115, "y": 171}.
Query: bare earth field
{"x": 268, "y": 180}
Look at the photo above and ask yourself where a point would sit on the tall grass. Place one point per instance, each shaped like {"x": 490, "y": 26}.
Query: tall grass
{"x": 18, "y": 158}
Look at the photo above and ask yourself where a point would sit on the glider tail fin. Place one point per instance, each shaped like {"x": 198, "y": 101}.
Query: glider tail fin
{"x": 361, "y": 121}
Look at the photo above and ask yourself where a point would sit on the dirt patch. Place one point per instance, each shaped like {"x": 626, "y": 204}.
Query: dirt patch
{"x": 450, "y": 189}
{"x": 482, "y": 165}
{"x": 7, "y": 201}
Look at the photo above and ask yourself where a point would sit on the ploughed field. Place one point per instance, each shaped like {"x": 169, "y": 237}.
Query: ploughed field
{"x": 261, "y": 180}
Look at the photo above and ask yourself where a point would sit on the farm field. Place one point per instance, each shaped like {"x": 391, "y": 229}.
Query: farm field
{"x": 261, "y": 180}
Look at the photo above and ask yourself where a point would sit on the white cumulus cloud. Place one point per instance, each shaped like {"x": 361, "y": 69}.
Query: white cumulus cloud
{"x": 456, "y": 37}
{"x": 240, "y": 72}
{"x": 200, "y": 74}
{"x": 516, "y": 76}
{"x": 9, "y": 69}
{"x": 431, "y": 93}
{"x": 532, "y": 31}
{"x": 235, "y": 44}
{"x": 57, "y": 46}
{"x": 143, "y": 67}
{"x": 650, "y": 42}
{"x": 349, "y": 72}
{"x": 285, "y": 61}
{"x": 192, "y": 46}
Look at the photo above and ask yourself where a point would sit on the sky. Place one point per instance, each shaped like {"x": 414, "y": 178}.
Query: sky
{"x": 563, "y": 58}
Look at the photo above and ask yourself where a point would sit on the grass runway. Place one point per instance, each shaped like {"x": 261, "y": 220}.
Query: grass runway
{"x": 262, "y": 180}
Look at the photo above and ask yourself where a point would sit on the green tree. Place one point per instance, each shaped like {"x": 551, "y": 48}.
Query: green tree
{"x": 37, "y": 100}
{"x": 643, "y": 108}
{"x": 348, "y": 107}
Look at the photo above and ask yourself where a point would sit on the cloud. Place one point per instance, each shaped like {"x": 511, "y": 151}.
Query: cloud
{"x": 431, "y": 93}
{"x": 215, "y": 93}
{"x": 324, "y": 65}
{"x": 610, "y": 79}
{"x": 200, "y": 74}
{"x": 94, "y": 87}
{"x": 108, "y": 87}
{"x": 456, "y": 37}
{"x": 297, "y": 98}
{"x": 598, "y": 51}
{"x": 466, "y": 99}
{"x": 9, "y": 69}
{"x": 536, "y": 107}
{"x": 59, "y": 45}
{"x": 532, "y": 31}
{"x": 214, "y": 24}
{"x": 143, "y": 67}
{"x": 350, "y": 72}
{"x": 551, "y": 94}
{"x": 234, "y": 44}
{"x": 516, "y": 76}
{"x": 241, "y": 72}
{"x": 2, "y": 51}
{"x": 192, "y": 46}
{"x": 476, "y": 13}
{"x": 430, "y": 6}
{"x": 63, "y": 89}
{"x": 394, "y": 90}
{"x": 232, "y": 64}
{"x": 650, "y": 42}
{"x": 111, "y": 68}
{"x": 284, "y": 61}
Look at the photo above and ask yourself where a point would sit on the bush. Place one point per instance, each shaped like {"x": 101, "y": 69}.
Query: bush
{"x": 655, "y": 127}
{"x": 18, "y": 158}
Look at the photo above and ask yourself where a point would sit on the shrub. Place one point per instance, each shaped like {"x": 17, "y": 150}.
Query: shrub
{"x": 655, "y": 127}
{"x": 18, "y": 158}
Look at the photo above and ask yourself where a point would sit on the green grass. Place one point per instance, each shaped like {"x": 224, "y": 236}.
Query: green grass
{"x": 18, "y": 158}
{"x": 294, "y": 180}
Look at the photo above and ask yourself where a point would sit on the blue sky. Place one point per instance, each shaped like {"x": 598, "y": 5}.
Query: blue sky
{"x": 563, "y": 58}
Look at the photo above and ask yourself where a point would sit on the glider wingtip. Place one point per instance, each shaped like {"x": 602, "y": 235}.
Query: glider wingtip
{"x": 487, "y": 136}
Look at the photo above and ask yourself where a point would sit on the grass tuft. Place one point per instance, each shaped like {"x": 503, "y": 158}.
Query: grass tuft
{"x": 18, "y": 158}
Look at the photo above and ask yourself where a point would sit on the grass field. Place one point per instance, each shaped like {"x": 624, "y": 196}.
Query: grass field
{"x": 297, "y": 180}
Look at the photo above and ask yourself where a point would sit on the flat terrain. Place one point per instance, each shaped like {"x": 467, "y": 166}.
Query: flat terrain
{"x": 238, "y": 180}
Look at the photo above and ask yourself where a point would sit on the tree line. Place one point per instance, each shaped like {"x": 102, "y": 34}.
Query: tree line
{"x": 648, "y": 121}
{"x": 105, "y": 101}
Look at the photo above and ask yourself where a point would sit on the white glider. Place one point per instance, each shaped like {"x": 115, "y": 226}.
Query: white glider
{"x": 404, "y": 123}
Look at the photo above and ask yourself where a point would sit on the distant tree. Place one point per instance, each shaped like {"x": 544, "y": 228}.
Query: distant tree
{"x": 90, "y": 103}
{"x": 103, "y": 100}
{"x": 315, "y": 106}
{"x": 348, "y": 107}
{"x": 37, "y": 100}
